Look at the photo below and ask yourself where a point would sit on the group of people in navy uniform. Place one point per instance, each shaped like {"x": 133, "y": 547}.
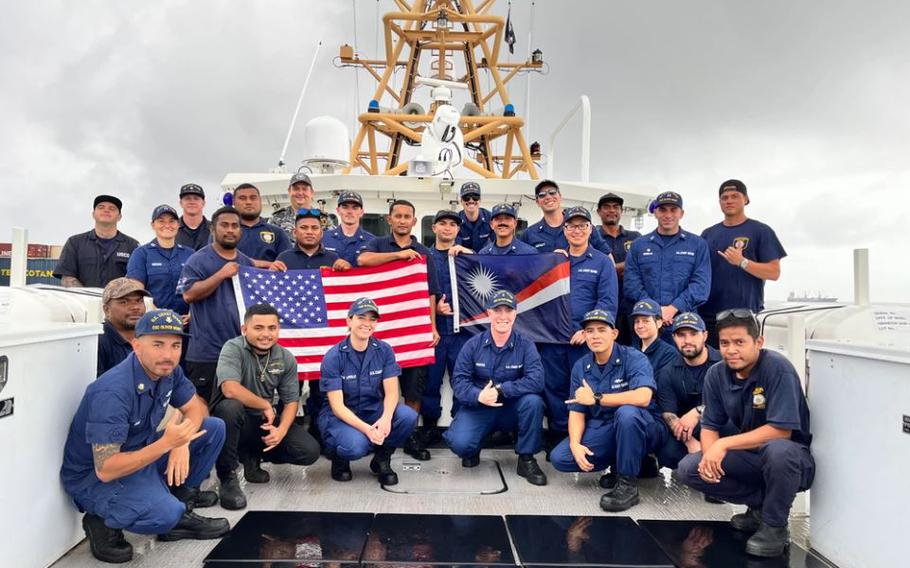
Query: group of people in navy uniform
{"x": 665, "y": 366}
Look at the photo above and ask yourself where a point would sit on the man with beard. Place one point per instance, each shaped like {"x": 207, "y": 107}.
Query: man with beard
{"x": 474, "y": 231}
{"x": 123, "y": 302}
{"x": 300, "y": 194}
{"x": 207, "y": 287}
{"x": 504, "y": 222}
{"x": 679, "y": 388}
{"x": 260, "y": 241}
{"x": 195, "y": 229}
{"x": 348, "y": 239}
{"x": 402, "y": 245}
{"x": 309, "y": 252}
{"x": 618, "y": 240}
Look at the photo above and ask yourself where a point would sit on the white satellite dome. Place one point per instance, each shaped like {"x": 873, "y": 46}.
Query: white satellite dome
{"x": 326, "y": 144}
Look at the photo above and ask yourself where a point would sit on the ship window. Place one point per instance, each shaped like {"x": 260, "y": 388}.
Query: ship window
{"x": 426, "y": 231}
{"x": 375, "y": 223}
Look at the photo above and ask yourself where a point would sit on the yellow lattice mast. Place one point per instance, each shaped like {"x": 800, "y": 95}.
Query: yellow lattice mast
{"x": 429, "y": 37}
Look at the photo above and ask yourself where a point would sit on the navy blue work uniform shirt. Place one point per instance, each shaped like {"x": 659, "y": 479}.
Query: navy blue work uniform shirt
{"x": 334, "y": 240}
{"x": 159, "y": 270}
{"x": 592, "y": 285}
{"x": 680, "y": 386}
{"x": 215, "y": 318}
{"x": 445, "y": 325}
{"x": 545, "y": 238}
{"x": 123, "y": 406}
{"x": 358, "y": 378}
{"x": 387, "y": 244}
{"x": 263, "y": 241}
{"x": 194, "y": 239}
{"x": 297, "y": 259}
{"x": 619, "y": 246}
{"x": 517, "y": 246}
{"x": 731, "y": 286}
{"x": 474, "y": 234}
{"x": 627, "y": 369}
{"x": 771, "y": 394}
{"x": 674, "y": 271}
{"x": 112, "y": 348}
{"x": 516, "y": 366}
{"x": 95, "y": 261}
{"x": 659, "y": 353}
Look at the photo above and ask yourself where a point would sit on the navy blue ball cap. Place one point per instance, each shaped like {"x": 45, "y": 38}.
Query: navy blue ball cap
{"x": 502, "y": 298}
{"x": 363, "y": 306}
{"x": 350, "y": 197}
{"x": 544, "y": 184}
{"x": 609, "y": 198}
{"x": 688, "y": 320}
{"x": 300, "y": 178}
{"x": 447, "y": 214}
{"x": 602, "y": 316}
{"x": 470, "y": 188}
{"x": 108, "y": 199}
{"x": 573, "y": 212}
{"x": 192, "y": 189}
{"x": 647, "y": 307}
{"x": 504, "y": 209}
{"x": 164, "y": 210}
{"x": 160, "y": 322}
{"x": 666, "y": 198}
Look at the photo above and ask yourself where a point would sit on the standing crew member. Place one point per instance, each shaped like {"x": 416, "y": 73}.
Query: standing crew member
{"x": 402, "y": 245}
{"x": 361, "y": 410}
{"x": 504, "y": 221}
{"x": 260, "y": 241}
{"x": 618, "y": 240}
{"x": 613, "y": 418}
{"x": 348, "y": 239}
{"x": 123, "y": 302}
{"x": 547, "y": 235}
{"x": 669, "y": 264}
{"x": 195, "y": 229}
{"x": 498, "y": 381}
{"x": 474, "y": 231}
{"x": 206, "y": 286}
{"x": 94, "y": 258}
{"x": 124, "y": 474}
{"x": 744, "y": 254}
{"x": 251, "y": 369}
{"x": 158, "y": 263}
{"x": 300, "y": 195}
{"x": 767, "y": 461}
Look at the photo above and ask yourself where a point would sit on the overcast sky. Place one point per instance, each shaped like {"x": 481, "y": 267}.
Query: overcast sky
{"x": 805, "y": 101}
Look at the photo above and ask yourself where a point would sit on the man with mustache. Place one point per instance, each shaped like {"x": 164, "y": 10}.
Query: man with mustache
{"x": 123, "y": 302}
{"x": 504, "y": 222}
{"x": 260, "y": 241}
{"x": 124, "y": 474}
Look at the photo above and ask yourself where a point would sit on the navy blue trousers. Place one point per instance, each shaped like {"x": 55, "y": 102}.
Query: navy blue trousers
{"x": 345, "y": 441}
{"x": 141, "y": 502}
{"x": 767, "y": 478}
{"x": 558, "y": 360}
{"x": 473, "y": 423}
{"x": 624, "y": 441}
{"x": 447, "y": 351}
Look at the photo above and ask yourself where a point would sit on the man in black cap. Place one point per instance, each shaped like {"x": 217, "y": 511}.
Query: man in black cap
{"x": 300, "y": 194}
{"x": 94, "y": 258}
{"x": 475, "y": 220}
{"x": 195, "y": 229}
{"x": 348, "y": 239}
{"x": 619, "y": 241}
{"x": 744, "y": 254}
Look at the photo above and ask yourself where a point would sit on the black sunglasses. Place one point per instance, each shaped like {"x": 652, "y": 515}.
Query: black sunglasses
{"x": 471, "y": 198}
{"x": 551, "y": 191}
{"x": 738, "y": 313}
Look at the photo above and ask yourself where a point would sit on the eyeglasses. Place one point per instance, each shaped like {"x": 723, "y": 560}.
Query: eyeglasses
{"x": 544, "y": 193}
{"x": 469, "y": 198}
{"x": 577, "y": 227}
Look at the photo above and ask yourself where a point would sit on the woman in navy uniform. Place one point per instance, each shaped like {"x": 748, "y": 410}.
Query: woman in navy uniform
{"x": 361, "y": 410}
{"x": 158, "y": 263}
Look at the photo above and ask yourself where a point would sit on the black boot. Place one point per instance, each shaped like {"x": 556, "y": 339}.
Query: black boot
{"x": 107, "y": 544}
{"x": 471, "y": 461}
{"x": 608, "y": 480}
{"x": 621, "y": 497}
{"x": 414, "y": 447}
{"x": 193, "y": 497}
{"x": 253, "y": 473}
{"x": 649, "y": 467}
{"x": 232, "y": 497}
{"x": 713, "y": 500}
{"x": 768, "y": 541}
{"x": 194, "y": 526}
{"x": 530, "y": 470}
{"x": 341, "y": 469}
{"x": 748, "y": 521}
{"x": 381, "y": 465}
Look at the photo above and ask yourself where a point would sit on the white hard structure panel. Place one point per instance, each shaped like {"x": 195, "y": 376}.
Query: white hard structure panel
{"x": 48, "y": 369}
{"x": 858, "y": 398}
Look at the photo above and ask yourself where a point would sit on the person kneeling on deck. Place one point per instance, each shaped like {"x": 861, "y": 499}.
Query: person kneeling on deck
{"x": 359, "y": 377}
{"x": 768, "y": 461}
{"x": 613, "y": 417}
{"x": 498, "y": 380}
{"x": 118, "y": 469}
{"x": 251, "y": 368}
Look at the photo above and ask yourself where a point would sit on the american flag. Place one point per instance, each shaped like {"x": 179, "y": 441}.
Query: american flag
{"x": 313, "y": 307}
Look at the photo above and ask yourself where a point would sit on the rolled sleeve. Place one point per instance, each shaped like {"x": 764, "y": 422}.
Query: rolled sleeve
{"x": 330, "y": 372}
{"x": 715, "y": 415}
{"x": 68, "y": 263}
{"x": 135, "y": 268}
{"x": 783, "y": 397}
{"x": 289, "y": 387}
{"x": 574, "y": 384}
{"x": 390, "y": 367}
{"x": 640, "y": 374}
{"x": 183, "y": 389}
{"x": 108, "y": 419}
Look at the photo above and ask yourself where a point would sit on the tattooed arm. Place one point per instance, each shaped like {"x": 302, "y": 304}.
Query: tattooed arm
{"x": 670, "y": 419}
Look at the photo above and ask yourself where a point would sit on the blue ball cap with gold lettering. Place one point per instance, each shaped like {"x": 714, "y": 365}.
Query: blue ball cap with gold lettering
{"x": 666, "y": 198}
{"x": 602, "y": 316}
{"x": 646, "y": 307}
{"x": 688, "y": 320}
{"x": 160, "y": 322}
{"x": 363, "y": 306}
{"x": 502, "y": 298}
{"x": 573, "y": 212}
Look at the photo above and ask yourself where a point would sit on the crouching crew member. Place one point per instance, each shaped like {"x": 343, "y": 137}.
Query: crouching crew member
{"x": 498, "y": 382}
{"x": 251, "y": 369}
{"x": 646, "y": 323}
{"x": 612, "y": 415}
{"x": 124, "y": 474}
{"x": 767, "y": 461}
{"x": 361, "y": 410}
{"x": 680, "y": 385}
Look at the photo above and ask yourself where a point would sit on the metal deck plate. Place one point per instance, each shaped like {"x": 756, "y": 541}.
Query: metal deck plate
{"x": 443, "y": 475}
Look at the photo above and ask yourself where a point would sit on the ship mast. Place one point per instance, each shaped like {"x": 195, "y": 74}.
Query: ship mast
{"x": 433, "y": 38}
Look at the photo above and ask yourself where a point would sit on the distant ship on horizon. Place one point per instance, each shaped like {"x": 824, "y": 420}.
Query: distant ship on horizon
{"x": 806, "y": 297}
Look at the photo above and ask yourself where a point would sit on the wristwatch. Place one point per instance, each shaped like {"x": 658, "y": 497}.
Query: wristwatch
{"x": 744, "y": 263}
{"x": 598, "y": 396}
{"x": 700, "y": 409}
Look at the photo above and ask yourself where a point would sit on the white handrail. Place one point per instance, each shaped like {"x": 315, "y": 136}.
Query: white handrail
{"x": 585, "y": 105}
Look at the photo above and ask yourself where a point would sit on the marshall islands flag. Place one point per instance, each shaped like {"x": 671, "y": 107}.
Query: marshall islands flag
{"x": 540, "y": 283}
